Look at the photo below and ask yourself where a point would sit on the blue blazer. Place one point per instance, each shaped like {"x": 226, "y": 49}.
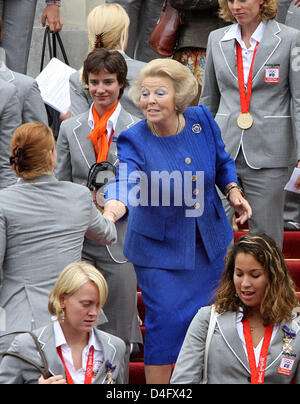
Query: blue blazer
{"x": 168, "y": 185}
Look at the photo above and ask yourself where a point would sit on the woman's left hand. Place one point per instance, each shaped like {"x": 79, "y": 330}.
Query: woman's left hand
{"x": 240, "y": 205}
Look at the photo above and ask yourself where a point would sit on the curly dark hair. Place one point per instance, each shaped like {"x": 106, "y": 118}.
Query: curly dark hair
{"x": 280, "y": 296}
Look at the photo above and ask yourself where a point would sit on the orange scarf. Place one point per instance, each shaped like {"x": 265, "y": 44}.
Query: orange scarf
{"x": 98, "y": 136}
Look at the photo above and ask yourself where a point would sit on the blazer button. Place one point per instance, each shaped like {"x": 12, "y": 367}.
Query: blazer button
{"x": 197, "y": 205}
{"x": 196, "y": 191}
{"x": 188, "y": 160}
{"x": 194, "y": 178}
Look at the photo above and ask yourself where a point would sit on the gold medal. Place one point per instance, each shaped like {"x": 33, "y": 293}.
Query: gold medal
{"x": 245, "y": 120}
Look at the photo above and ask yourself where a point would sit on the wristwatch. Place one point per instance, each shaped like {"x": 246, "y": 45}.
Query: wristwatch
{"x": 232, "y": 187}
{"x": 53, "y": 3}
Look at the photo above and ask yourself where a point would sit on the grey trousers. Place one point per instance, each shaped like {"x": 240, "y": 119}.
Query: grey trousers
{"x": 18, "y": 19}
{"x": 292, "y": 204}
{"x": 264, "y": 191}
{"x": 143, "y": 15}
{"x": 283, "y": 6}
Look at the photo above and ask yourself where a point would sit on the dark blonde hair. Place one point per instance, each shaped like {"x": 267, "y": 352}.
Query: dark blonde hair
{"x": 71, "y": 279}
{"x": 268, "y": 10}
{"x": 108, "y": 27}
{"x": 280, "y": 296}
{"x": 30, "y": 147}
{"x": 185, "y": 83}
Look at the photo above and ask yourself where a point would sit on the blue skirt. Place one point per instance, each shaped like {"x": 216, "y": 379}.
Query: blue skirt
{"x": 172, "y": 298}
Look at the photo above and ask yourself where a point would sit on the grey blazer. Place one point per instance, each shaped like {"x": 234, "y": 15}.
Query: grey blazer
{"x": 75, "y": 157}
{"x": 42, "y": 228}
{"x": 81, "y": 100}
{"x": 16, "y": 371}
{"x": 227, "y": 360}
{"x": 10, "y": 120}
{"x": 270, "y": 141}
{"x": 293, "y": 16}
{"x": 31, "y": 102}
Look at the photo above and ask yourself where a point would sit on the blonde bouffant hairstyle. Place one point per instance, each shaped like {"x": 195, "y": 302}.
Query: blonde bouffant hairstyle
{"x": 268, "y": 10}
{"x": 70, "y": 280}
{"x": 185, "y": 84}
{"x": 107, "y": 27}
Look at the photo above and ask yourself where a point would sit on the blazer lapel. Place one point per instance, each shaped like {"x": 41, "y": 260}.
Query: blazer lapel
{"x": 276, "y": 347}
{"x": 6, "y": 74}
{"x": 81, "y": 131}
{"x": 125, "y": 121}
{"x": 267, "y": 46}
{"x": 47, "y": 341}
{"x": 229, "y": 54}
{"x": 227, "y": 326}
{"x": 109, "y": 354}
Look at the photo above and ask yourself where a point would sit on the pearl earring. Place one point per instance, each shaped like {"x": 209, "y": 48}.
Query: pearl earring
{"x": 63, "y": 316}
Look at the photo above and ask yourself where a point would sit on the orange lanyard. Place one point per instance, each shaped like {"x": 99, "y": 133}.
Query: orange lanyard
{"x": 244, "y": 97}
{"x": 89, "y": 367}
{"x": 257, "y": 374}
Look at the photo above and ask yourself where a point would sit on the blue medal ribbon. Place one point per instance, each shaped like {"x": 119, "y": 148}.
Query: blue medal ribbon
{"x": 288, "y": 332}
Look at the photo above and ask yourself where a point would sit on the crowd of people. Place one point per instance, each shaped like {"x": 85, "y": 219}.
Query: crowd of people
{"x": 158, "y": 161}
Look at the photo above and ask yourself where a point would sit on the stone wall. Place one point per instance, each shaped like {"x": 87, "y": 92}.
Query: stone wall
{"x": 74, "y": 34}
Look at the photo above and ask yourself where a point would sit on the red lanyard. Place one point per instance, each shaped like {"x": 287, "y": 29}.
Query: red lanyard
{"x": 89, "y": 367}
{"x": 257, "y": 374}
{"x": 244, "y": 97}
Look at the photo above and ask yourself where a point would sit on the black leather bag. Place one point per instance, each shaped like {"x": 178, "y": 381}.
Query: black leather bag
{"x": 52, "y": 39}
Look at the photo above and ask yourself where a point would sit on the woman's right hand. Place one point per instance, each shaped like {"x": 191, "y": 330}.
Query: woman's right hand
{"x": 59, "y": 379}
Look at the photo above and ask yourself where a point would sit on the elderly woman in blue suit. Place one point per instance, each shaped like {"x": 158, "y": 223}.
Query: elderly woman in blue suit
{"x": 177, "y": 232}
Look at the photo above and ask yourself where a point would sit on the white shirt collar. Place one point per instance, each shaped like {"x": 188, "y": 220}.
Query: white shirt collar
{"x": 111, "y": 123}
{"x": 60, "y": 339}
{"x": 234, "y": 32}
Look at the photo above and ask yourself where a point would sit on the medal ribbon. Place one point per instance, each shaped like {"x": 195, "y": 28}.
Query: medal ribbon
{"x": 257, "y": 374}
{"x": 89, "y": 367}
{"x": 244, "y": 96}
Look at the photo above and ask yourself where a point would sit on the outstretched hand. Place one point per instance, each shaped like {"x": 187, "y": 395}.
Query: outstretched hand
{"x": 51, "y": 15}
{"x": 240, "y": 205}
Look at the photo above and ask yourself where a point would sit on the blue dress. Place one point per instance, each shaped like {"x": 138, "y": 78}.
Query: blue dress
{"x": 177, "y": 232}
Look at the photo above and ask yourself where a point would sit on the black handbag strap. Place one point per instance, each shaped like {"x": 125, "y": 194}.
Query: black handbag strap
{"x": 44, "y": 370}
{"x": 48, "y": 35}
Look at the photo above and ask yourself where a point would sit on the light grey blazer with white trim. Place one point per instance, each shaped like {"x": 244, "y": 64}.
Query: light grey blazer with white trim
{"x": 227, "y": 360}
{"x": 16, "y": 371}
{"x": 29, "y": 96}
{"x": 270, "y": 141}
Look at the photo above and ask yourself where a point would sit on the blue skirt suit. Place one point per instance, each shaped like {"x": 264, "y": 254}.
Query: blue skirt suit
{"x": 177, "y": 233}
